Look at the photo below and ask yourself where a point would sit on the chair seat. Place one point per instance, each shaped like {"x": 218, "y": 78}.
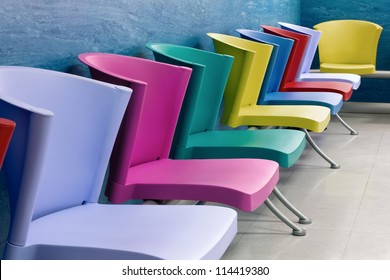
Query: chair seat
{"x": 284, "y": 146}
{"x": 345, "y": 89}
{"x": 327, "y": 99}
{"x": 242, "y": 183}
{"x": 354, "y": 79}
{"x": 94, "y": 231}
{"x": 360, "y": 69}
{"x": 314, "y": 118}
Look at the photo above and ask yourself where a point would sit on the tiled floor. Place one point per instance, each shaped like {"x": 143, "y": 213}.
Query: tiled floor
{"x": 350, "y": 206}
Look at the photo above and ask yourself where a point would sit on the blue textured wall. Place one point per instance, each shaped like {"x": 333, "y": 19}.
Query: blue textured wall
{"x": 313, "y": 12}
{"x": 51, "y": 33}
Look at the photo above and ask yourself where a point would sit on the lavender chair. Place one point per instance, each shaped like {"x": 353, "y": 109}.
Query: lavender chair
{"x": 140, "y": 165}
{"x": 305, "y": 74}
{"x": 55, "y": 167}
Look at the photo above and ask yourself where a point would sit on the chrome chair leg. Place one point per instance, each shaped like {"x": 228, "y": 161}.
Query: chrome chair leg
{"x": 353, "y": 132}
{"x": 333, "y": 164}
{"x": 302, "y": 218}
{"x": 297, "y": 231}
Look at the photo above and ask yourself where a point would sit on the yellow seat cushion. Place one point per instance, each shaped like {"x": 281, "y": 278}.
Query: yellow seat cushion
{"x": 360, "y": 69}
{"x": 313, "y": 118}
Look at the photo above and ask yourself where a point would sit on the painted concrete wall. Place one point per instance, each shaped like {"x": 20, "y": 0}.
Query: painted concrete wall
{"x": 313, "y": 12}
{"x": 51, "y": 33}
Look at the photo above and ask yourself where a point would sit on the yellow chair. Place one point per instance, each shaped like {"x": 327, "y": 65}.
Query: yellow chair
{"x": 243, "y": 88}
{"x": 348, "y": 46}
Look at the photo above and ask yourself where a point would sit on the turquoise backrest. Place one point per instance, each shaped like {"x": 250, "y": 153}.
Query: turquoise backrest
{"x": 210, "y": 71}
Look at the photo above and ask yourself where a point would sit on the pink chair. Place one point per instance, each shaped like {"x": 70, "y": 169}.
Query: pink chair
{"x": 140, "y": 167}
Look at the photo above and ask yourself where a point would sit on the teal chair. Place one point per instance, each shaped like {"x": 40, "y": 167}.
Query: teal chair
{"x": 198, "y": 134}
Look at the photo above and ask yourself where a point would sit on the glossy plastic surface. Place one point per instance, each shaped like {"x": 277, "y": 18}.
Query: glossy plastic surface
{"x": 198, "y": 134}
{"x": 348, "y": 46}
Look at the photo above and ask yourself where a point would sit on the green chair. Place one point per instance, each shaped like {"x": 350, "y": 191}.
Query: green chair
{"x": 197, "y": 133}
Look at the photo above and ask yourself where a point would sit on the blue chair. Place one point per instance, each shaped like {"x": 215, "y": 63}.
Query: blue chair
{"x": 55, "y": 168}
{"x": 270, "y": 93}
{"x": 305, "y": 74}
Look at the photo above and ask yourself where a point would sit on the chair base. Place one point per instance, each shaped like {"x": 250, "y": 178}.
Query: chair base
{"x": 302, "y": 218}
{"x": 353, "y": 132}
{"x": 333, "y": 164}
{"x": 297, "y": 231}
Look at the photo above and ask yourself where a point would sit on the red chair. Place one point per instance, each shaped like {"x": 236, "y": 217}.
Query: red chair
{"x": 290, "y": 81}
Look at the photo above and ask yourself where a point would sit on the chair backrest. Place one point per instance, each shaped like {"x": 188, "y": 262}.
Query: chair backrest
{"x": 294, "y": 64}
{"x": 311, "y": 48}
{"x": 278, "y": 61}
{"x": 6, "y": 130}
{"x": 204, "y": 94}
{"x": 59, "y": 153}
{"x": 246, "y": 76}
{"x": 348, "y": 41}
{"x": 149, "y": 124}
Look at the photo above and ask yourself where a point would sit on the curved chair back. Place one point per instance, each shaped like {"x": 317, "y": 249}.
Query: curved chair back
{"x": 278, "y": 61}
{"x": 311, "y": 48}
{"x": 348, "y": 46}
{"x": 149, "y": 123}
{"x": 203, "y": 99}
{"x": 291, "y": 78}
{"x": 246, "y": 76}
{"x": 66, "y": 129}
{"x": 294, "y": 64}
{"x": 270, "y": 93}
{"x": 6, "y": 130}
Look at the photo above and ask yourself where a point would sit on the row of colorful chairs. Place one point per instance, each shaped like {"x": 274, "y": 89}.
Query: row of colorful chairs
{"x": 156, "y": 124}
